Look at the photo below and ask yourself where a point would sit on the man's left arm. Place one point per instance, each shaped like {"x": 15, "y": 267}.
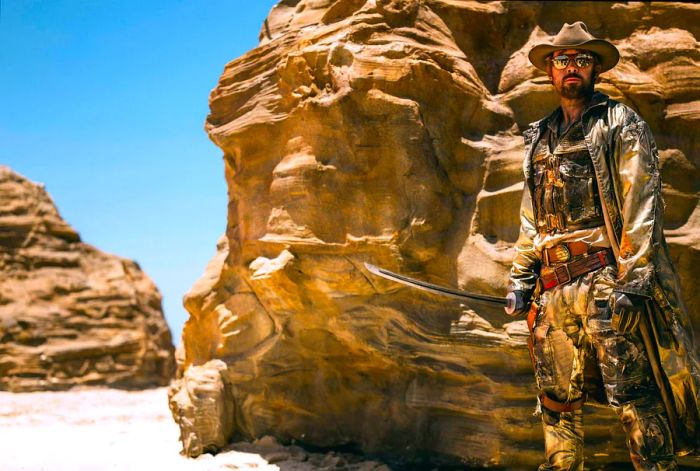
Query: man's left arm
{"x": 639, "y": 188}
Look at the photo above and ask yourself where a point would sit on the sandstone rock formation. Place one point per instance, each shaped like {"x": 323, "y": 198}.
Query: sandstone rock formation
{"x": 389, "y": 132}
{"x": 71, "y": 315}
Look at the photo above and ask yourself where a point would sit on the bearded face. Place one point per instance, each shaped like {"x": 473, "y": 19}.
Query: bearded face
{"x": 576, "y": 89}
{"x": 573, "y": 82}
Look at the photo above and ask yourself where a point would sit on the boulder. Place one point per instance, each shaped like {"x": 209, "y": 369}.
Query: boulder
{"x": 71, "y": 315}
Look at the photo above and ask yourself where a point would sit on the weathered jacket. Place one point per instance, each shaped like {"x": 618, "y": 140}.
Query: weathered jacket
{"x": 626, "y": 165}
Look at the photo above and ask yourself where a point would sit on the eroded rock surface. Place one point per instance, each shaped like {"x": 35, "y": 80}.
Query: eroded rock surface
{"x": 71, "y": 315}
{"x": 389, "y": 132}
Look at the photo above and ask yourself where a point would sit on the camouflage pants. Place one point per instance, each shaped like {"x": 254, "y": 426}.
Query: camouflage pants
{"x": 572, "y": 326}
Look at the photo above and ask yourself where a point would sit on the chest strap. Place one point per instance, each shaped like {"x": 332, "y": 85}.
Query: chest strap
{"x": 564, "y": 273}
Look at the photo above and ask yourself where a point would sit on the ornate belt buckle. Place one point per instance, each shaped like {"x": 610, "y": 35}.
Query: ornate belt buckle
{"x": 562, "y": 253}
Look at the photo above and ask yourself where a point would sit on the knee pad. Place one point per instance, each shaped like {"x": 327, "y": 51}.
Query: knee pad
{"x": 648, "y": 433}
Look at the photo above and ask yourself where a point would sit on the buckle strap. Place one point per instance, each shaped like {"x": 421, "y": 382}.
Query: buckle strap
{"x": 557, "y": 406}
{"x": 562, "y": 274}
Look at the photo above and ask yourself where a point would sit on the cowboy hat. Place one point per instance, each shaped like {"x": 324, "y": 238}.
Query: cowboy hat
{"x": 575, "y": 36}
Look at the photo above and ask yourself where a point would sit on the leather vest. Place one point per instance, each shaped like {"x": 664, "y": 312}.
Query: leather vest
{"x": 565, "y": 188}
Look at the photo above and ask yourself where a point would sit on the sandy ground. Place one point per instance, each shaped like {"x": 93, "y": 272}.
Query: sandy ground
{"x": 106, "y": 429}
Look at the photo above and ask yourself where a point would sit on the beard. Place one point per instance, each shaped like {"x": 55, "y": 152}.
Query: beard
{"x": 577, "y": 90}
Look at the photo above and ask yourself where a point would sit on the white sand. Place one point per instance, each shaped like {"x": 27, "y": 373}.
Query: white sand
{"x": 107, "y": 429}
{"x": 100, "y": 429}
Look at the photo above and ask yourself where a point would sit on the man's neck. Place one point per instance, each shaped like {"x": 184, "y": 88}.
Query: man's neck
{"x": 573, "y": 108}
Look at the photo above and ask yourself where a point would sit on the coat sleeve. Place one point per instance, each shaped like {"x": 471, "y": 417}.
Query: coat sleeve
{"x": 525, "y": 269}
{"x": 639, "y": 192}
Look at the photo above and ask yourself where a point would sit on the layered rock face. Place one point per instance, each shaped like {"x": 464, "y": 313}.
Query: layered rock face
{"x": 389, "y": 132}
{"x": 71, "y": 315}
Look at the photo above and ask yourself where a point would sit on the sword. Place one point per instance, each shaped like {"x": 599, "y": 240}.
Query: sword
{"x": 444, "y": 291}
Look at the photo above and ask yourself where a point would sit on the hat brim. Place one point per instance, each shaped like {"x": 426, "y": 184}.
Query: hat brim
{"x": 605, "y": 50}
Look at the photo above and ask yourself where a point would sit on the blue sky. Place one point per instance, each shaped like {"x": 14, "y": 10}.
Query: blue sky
{"x": 104, "y": 101}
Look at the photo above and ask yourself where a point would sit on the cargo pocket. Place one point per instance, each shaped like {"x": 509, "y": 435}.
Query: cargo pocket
{"x": 555, "y": 361}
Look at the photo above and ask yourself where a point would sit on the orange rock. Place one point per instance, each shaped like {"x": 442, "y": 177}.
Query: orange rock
{"x": 389, "y": 132}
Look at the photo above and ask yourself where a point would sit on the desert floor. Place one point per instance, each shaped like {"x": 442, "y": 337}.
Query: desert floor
{"x": 107, "y": 429}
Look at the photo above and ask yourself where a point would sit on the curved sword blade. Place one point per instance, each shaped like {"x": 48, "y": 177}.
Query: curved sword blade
{"x": 437, "y": 289}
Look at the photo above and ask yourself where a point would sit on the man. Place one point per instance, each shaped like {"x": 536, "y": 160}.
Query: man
{"x": 593, "y": 271}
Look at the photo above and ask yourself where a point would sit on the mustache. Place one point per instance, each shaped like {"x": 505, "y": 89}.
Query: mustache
{"x": 573, "y": 75}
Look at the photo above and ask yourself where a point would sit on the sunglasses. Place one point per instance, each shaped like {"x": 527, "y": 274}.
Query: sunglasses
{"x": 561, "y": 61}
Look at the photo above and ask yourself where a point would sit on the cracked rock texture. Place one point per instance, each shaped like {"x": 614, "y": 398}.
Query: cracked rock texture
{"x": 71, "y": 315}
{"x": 389, "y": 132}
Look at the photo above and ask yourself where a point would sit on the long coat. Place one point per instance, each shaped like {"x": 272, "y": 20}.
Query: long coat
{"x": 626, "y": 165}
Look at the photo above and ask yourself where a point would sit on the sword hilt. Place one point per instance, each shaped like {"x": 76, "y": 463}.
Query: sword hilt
{"x": 515, "y": 302}
{"x": 511, "y": 302}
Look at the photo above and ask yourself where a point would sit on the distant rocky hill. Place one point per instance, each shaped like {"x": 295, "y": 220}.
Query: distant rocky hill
{"x": 390, "y": 132}
{"x": 71, "y": 315}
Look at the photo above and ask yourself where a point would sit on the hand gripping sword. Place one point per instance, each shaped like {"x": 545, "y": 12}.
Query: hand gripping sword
{"x": 508, "y": 302}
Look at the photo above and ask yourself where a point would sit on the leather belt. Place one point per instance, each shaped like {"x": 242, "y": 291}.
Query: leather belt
{"x": 561, "y": 274}
{"x": 566, "y": 252}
